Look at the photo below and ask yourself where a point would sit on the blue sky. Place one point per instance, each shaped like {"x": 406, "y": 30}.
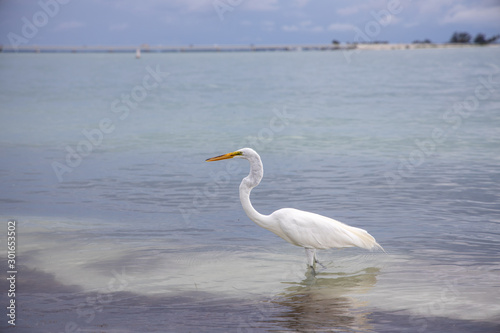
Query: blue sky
{"x": 208, "y": 22}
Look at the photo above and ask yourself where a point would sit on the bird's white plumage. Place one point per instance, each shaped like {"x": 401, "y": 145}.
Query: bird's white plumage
{"x": 319, "y": 232}
{"x": 301, "y": 228}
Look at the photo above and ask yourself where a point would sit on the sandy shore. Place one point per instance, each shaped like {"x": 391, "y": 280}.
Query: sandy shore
{"x": 417, "y": 46}
{"x": 228, "y": 48}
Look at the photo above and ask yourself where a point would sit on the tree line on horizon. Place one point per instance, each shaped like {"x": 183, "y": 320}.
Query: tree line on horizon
{"x": 465, "y": 38}
{"x": 456, "y": 38}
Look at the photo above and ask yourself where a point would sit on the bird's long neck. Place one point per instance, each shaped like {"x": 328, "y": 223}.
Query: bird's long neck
{"x": 247, "y": 184}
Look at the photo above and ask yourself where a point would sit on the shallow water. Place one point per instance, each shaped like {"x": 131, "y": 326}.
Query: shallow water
{"x": 142, "y": 235}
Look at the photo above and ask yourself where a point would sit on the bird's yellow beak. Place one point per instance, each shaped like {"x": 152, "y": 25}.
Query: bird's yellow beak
{"x": 225, "y": 156}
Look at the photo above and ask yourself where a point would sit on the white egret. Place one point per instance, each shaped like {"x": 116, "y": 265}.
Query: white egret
{"x": 308, "y": 230}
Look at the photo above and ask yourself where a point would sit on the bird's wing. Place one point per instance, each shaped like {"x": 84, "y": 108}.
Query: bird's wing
{"x": 316, "y": 231}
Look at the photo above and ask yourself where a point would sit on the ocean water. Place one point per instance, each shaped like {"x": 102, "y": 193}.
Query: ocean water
{"x": 122, "y": 227}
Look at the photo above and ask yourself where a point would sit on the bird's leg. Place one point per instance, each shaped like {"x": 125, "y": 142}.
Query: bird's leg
{"x": 311, "y": 257}
{"x": 311, "y": 274}
{"x": 317, "y": 261}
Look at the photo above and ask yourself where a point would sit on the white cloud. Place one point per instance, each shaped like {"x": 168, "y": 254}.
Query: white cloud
{"x": 290, "y": 28}
{"x": 118, "y": 27}
{"x": 348, "y": 11}
{"x": 432, "y": 7}
{"x": 191, "y": 6}
{"x": 301, "y": 3}
{"x": 305, "y": 26}
{"x": 267, "y": 25}
{"x": 340, "y": 27}
{"x": 411, "y": 24}
{"x": 364, "y": 6}
{"x": 316, "y": 29}
{"x": 463, "y": 14}
{"x": 153, "y": 6}
{"x": 393, "y": 20}
{"x": 69, "y": 25}
{"x": 259, "y": 5}
{"x": 195, "y": 5}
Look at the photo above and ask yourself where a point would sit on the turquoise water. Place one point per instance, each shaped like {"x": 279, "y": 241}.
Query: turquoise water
{"x": 122, "y": 226}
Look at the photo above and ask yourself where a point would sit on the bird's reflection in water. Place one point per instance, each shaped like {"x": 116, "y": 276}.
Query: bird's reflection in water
{"x": 326, "y": 302}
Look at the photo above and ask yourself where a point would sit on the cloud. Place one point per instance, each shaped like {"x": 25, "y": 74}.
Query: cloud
{"x": 208, "y": 5}
{"x": 195, "y": 5}
{"x": 118, "y": 27}
{"x": 463, "y": 14}
{"x": 316, "y": 29}
{"x": 267, "y": 25}
{"x": 153, "y": 6}
{"x": 432, "y": 7}
{"x": 69, "y": 25}
{"x": 348, "y": 11}
{"x": 300, "y": 3}
{"x": 364, "y": 6}
{"x": 304, "y": 26}
{"x": 290, "y": 28}
{"x": 411, "y": 24}
{"x": 258, "y": 5}
{"x": 341, "y": 27}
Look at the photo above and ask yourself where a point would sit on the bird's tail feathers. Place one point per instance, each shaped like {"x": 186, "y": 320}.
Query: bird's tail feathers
{"x": 364, "y": 240}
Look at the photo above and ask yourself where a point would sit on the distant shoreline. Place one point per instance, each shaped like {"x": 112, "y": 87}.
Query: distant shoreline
{"x": 415, "y": 46}
{"x": 229, "y": 48}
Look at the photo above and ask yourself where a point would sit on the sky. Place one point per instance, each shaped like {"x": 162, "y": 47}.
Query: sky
{"x": 241, "y": 22}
